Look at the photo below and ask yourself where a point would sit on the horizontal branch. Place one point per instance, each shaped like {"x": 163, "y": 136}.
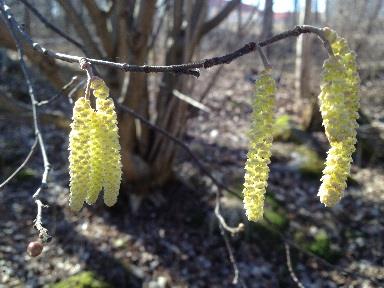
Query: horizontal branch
{"x": 187, "y": 68}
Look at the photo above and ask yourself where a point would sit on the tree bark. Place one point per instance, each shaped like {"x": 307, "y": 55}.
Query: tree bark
{"x": 303, "y": 69}
{"x": 267, "y": 30}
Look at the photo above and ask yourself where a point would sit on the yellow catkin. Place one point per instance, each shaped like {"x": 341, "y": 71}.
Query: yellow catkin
{"x": 79, "y": 153}
{"x": 109, "y": 139}
{"x": 259, "y": 154}
{"x": 96, "y": 159}
{"x": 339, "y": 105}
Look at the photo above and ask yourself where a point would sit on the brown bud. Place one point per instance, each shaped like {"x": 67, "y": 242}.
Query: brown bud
{"x": 34, "y": 248}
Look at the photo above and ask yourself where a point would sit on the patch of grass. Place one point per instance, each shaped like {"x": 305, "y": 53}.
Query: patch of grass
{"x": 26, "y": 174}
{"x": 319, "y": 244}
{"x": 282, "y": 128}
{"x": 84, "y": 279}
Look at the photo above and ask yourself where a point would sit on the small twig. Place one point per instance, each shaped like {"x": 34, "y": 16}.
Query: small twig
{"x": 264, "y": 58}
{"x": 59, "y": 94}
{"x": 43, "y": 232}
{"x": 317, "y": 258}
{"x": 51, "y": 26}
{"x": 74, "y": 90}
{"x": 232, "y": 230}
{"x": 236, "y": 277}
{"x": 290, "y": 268}
{"x": 180, "y": 143}
{"x": 86, "y": 66}
{"x": 21, "y": 165}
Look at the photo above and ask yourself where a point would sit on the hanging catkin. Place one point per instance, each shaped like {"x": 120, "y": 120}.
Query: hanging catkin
{"x": 96, "y": 159}
{"x": 260, "y": 138}
{"x": 339, "y": 105}
{"x": 108, "y": 141}
{"x": 79, "y": 165}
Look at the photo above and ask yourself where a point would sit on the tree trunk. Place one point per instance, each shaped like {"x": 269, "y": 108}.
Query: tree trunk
{"x": 303, "y": 69}
{"x": 267, "y": 31}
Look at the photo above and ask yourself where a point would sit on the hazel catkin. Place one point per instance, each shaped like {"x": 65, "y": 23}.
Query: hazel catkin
{"x": 79, "y": 164}
{"x": 109, "y": 140}
{"x": 339, "y": 104}
{"x": 260, "y": 138}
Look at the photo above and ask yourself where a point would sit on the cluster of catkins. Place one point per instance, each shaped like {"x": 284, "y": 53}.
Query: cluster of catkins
{"x": 94, "y": 149}
{"x": 339, "y": 105}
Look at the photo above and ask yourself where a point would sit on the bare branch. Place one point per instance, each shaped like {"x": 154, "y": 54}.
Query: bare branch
{"x": 38, "y": 222}
{"x": 217, "y": 19}
{"x": 232, "y": 258}
{"x": 291, "y": 243}
{"x": 51, "y": 26}
{"x": 290, "y": 268}
{"x": 80, "y": 28}
{"x": 99, "y": 19}
{"x": 188, "y": 68}
{"x": 18, "y": 169}
{"x": 180, "y": 143}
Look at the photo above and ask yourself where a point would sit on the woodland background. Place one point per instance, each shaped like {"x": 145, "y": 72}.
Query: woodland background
{"x": 163, "y": 231}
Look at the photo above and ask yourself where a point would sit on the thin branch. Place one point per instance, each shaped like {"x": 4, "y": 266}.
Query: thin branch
{"x": 290, "y": 268}
{"x": 38, "y": 223}
{"x": 232, "y": 259}
{"x": 264, "y": 58}
{"x": 184, "y": 146}
{"x": 99, "y": 19}
{"x": 18, "y": 169}
{"x": 232, "y": 230}
{"x": 51, "y": 26}
{"x": 318, "y": 258}
{"x": 80, "y": 27}
{"x": 13, "y": 30}
{"x": 219, "y": 17}
{"x": 188, "y": 68}
{"x": 53, "y": 98}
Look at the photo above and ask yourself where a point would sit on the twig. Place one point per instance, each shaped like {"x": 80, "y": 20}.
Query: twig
{"x": 54, "y": 28}
{"x": 21, "y": 165}
{"x": 187, "y": 68}
{"x": 290, "y": 268}
{"x": 74, "y": 90}
{"x": 232, "y": 230}
{"x": 181, "y": 144}
{"x": 264, "y": 58}
{"x": 53, "y": 98}
{"x": 317, "y": 258}
{"x": 86, "y": 66}
{"x": 43, "y": 233}
{"x": 232, "y": 259}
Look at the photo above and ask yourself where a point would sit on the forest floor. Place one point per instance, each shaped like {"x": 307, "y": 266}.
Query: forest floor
{"x": 173, "y": 239}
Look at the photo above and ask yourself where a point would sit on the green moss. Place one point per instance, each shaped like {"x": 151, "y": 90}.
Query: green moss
{"x": 319, "y": 245}
{"x": 26, "y": 174}
{"x": 308, "y": 161}
{"x": 276, "y": 219}
{"x": 282, "y": 128}
{"x": 84, "y": 279}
